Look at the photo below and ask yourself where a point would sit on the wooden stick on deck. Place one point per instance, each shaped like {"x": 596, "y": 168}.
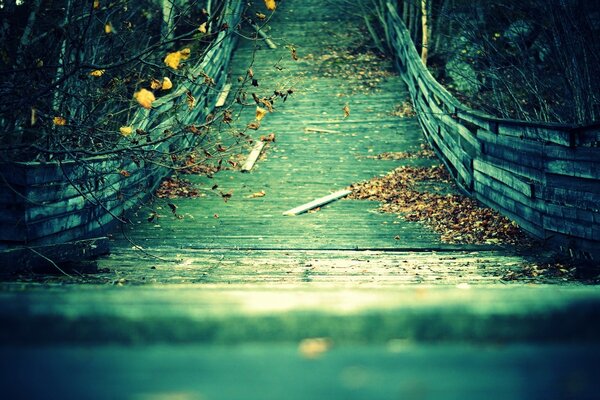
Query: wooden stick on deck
{"x": 253, "y": 156}
{"x": 320, "y": 130}
{"x": 223, "y": 96}
{"x": 318, "y": 202}
{"x": 268, "y": 40}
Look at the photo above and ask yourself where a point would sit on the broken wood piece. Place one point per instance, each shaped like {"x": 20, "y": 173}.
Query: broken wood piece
{"x": 318, "y": 202}
{"x": 253, "y": 156}
{"x": 266, "y": 37}
{"x": 320, "y": 130}
{"x": 223, "y": 96}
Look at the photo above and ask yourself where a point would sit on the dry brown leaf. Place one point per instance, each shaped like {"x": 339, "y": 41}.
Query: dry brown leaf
{"x": 108, "y": 28}
{"x": 260, "y": 16}
{"x": 202, "y": 28}
{"x": 268, "y": 138}
{"x": 254, "y": 125}
{"x": 346, "y": 111}
{"x": 190, "y": 100}
{"x": 155, "y": 84}
{"x": 96, "y": 4}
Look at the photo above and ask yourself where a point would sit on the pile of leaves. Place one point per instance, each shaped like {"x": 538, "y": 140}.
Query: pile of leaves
{"x": 352, "y": 61}
{"x": 457, "y": 218}
{"x": 404, "y": 110}
{"x": 405, "y": 155}
{"x": 174, "y": 187}
{"x": 542, "y": 272}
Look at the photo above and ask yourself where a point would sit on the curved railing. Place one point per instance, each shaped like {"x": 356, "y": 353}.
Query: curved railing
{"x": 544, "y": 176}
{"x": 57, "y": 202}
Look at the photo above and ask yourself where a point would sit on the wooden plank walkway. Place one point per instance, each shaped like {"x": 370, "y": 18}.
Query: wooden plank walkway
{"x": 317, "y": 150}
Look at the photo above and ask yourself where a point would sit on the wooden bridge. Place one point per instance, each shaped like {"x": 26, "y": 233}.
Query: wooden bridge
{"x": 318, "y": 305}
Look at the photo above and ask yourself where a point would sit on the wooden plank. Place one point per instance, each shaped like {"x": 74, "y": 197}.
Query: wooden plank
{"x": 253, "y": 156}
{"x": 33, "y": 257}
{"x": 524, "y": 171}
{"x": 223, "y": 96}
{"x": 537, "y": 133}
{"x": 504, "y": 176}
{"x": 580, "y": 169}
{"x": 318, "y": 202}
{"x": 266, "y": 37}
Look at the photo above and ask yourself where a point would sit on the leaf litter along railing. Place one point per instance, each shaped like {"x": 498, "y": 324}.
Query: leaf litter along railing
{"x": 544, "y": 176}
{"x": 61, "y": 201}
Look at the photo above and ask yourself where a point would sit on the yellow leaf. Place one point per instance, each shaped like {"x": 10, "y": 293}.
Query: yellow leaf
{"x": 96, "y": 4}
{"x": 126, "y": 130}
{"x": 59, "y": 121}
{"x": 270, "y": 4}
{"x": 166, "y": 84}
{"x": 260, "y": 113}
{"x": 257, "y": 194}
{"x": 260, "y": 16}
{"x": 97, "y": 72}
{"x": 202, "y": 28}
{"x": 33, "y": 118}
{"x": 155, "y": 84}
{"x": 346, "y": 111}
{"x": 191, "y": 101}
{"x": 173, "y": 59}
{"x": 108, "y": 28}
{"x": 145, "y": 98}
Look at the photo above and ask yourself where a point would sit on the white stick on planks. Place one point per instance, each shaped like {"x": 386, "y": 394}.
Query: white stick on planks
{"x": 268, "y": 40}
{"x": 318, "y": 202}
{"x": 253, "y": 156}
{"x": 223, "y": 96}
{"x": 319, "y": 130}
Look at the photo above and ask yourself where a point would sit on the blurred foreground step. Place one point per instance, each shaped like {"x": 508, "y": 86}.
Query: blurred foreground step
{"x": 258, "y": 313}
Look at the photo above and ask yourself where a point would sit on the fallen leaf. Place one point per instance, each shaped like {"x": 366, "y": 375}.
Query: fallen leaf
{"x": 260, "y": 15}
{"x": 96, "y": 4}
{"x": 59, "y": 121}
{"x": 125, "y": 173}
{"x": 268, "y": 138}
{"x": 173, "y": 208}
{"x": 270, "y": 4}
{"x": 202, "y": 28}
{"x": 126, "y": 130}
{"x": 260, "y": 113}
{"x": 257, "y": 194}
{"x": 166, "y": 84}
{"x": 346, "y": 111}
{"x": 145, "y": 98}
{"x": 108, "y": 28}
{"x": 254, "y": 125}
{"x": 97, "y": 72}
{"x": 226, "y": 196}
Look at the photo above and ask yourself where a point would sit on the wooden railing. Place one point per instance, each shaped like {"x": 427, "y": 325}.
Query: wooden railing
{"x": 544, "y": 176}
{"x": 61, "y": 201}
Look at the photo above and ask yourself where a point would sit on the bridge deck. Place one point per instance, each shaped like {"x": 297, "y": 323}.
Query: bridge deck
{"x": 318, "y": 150}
